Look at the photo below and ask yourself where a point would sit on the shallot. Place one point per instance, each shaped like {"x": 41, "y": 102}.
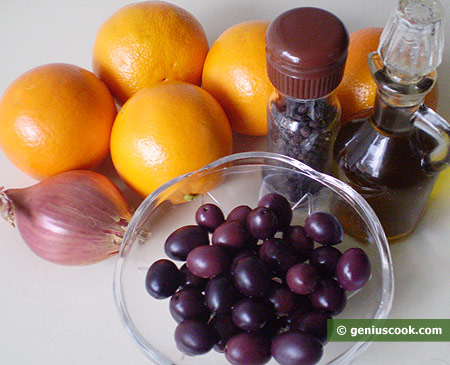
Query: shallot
{"x": 74, "y": 218}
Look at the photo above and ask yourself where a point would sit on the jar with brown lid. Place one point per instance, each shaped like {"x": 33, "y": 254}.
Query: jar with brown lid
{"x": 306, "y": 50}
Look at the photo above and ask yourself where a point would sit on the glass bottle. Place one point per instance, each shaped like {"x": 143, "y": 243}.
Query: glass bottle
{"x": 392, "y": 154}
{"x": 306, "y": 50}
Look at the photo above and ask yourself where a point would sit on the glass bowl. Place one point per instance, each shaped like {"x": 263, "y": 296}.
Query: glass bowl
{"x": 238, "y": 179}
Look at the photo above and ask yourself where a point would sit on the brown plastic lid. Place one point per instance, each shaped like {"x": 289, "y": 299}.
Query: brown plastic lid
{"x": 306, "y": 50}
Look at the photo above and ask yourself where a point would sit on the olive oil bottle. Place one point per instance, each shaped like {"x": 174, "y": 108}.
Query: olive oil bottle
{"x": 392, "y": 154}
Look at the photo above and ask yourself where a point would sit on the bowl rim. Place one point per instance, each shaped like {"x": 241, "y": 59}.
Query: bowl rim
{"x": 334, "y": 184}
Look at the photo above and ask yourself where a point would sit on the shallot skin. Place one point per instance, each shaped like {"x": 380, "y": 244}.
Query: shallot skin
{"x": 77, "y": 217}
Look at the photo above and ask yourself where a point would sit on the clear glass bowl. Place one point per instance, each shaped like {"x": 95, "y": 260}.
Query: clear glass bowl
{"x": 235, "y": 180}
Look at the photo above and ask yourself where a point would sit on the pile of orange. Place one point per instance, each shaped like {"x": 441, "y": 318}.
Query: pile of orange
{"x": 179, "y": 98}
{"x": 147, "y": 56}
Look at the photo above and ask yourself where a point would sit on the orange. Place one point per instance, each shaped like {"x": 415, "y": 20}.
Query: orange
{"x": 166, "y": 130}
{"x": 55, "y": 118}
{"x": 235, "y": 74}
{"x": 148, "y": 42}
{"x": 357, "y": 90}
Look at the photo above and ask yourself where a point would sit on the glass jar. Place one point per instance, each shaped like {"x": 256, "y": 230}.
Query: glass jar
{"x": 392, "y": 154}
{"x": 306, "y": 50}
{"x": 304, "y": 129}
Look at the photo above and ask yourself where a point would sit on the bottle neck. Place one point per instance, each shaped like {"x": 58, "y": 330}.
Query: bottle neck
{"x": 393, "y": 119}
{"x": 397, "y": 99}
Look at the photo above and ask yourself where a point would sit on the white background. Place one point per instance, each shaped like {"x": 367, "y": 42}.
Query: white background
{"x": 51, "y": 314}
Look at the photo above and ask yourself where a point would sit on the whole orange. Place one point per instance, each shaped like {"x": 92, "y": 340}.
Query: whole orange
{"x": 166, "y": 130}
{"x": 148, "y": 42}
{"x": 357, "y": 90}
{"x": 54, "y": 118}
{"x": 235, "y": 74}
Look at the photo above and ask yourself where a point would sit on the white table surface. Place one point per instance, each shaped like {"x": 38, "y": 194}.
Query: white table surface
{"x": 51, "y": 314}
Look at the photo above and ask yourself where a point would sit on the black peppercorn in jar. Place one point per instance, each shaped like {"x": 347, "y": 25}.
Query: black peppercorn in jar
{"x": 306, "y": 50}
